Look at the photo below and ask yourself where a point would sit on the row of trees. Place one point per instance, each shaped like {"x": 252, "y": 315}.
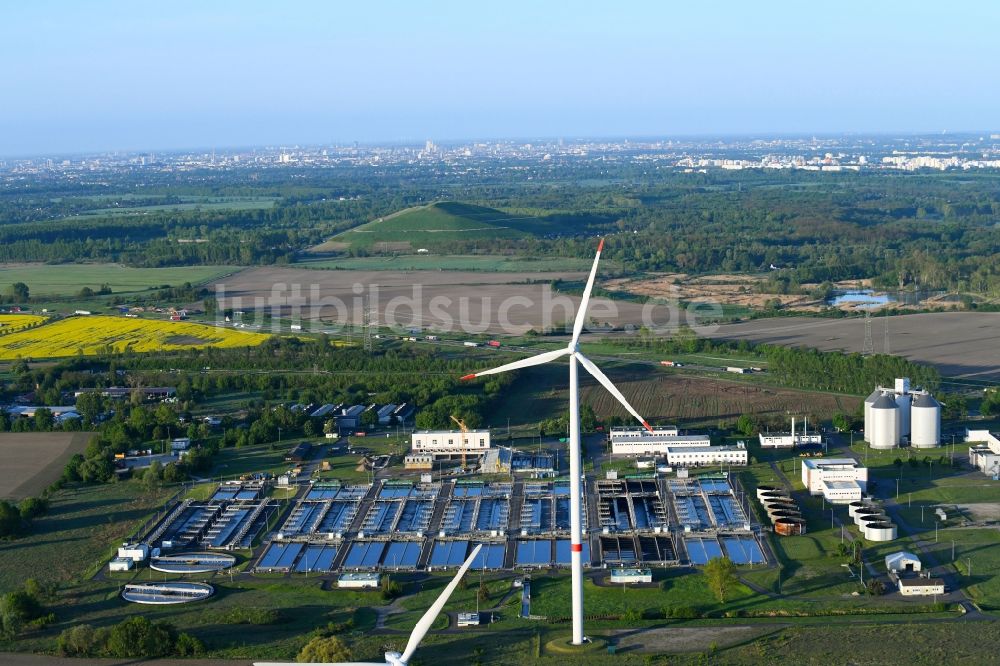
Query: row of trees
{"x": 134, "y": 638}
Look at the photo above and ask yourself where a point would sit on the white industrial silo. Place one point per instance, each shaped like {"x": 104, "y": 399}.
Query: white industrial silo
{"x": 869, "y": 401}
{"x": 903, "y": 402}
{"x": 925, "y": 419}
{"x": 885, "y": 423}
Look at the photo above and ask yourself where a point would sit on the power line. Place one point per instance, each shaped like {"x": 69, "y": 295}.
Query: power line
{"x": 885, "y": 343}
{"x": 868, "y": 348}
{"x": 367, "y": 326}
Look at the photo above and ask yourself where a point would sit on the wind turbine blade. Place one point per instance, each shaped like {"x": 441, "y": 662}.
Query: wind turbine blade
{"x": 523, "y": 363}
{"x": 339, "y": 663}
{"x": 581, "y": 314}
{"x": 424, "y": 625}
{"x": 612, "y": 389}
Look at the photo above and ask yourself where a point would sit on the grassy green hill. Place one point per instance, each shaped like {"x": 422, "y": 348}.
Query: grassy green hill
{"x": 413, "y": 228}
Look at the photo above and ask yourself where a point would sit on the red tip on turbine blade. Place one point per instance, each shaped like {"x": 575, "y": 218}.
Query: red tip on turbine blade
{"x": 600, "y": 246}
{"x": 646, "y": 425}
{"x": 468, "y": 377}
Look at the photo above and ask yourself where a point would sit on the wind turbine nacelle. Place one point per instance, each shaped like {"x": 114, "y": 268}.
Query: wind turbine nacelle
{"x": 394, "y": 659}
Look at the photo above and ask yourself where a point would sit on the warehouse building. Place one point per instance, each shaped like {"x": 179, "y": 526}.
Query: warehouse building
{"x": 59, "y": 414}
{"x": 387, "y": 414}
{"x": 450, "y": 443}
{"x": 902, "y": 561}
{"x": 640, "y": 442}
{"x": 404, "y": 413}
{"x": 832, "y": 478}
{"x": 899, "y": 415}
{"x": 349, "y": 418}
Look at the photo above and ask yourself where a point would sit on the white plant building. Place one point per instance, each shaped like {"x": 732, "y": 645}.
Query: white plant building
{"x": 912, "y": 587}
{"x": 985, "y": 451}
{"x": 706, "y": 456}
{"x": 839, "y": 480}
{"x": 636, "y": 442}
{"x": 791, "y": 439}
{"x": 899, "y": 415}
{"x": 450, "y": 443}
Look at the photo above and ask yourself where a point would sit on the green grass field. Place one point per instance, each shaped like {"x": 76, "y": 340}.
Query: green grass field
{"x": 79, "y": 531}
{"x": 441, "y": 221}
{"x": 67, "y": 279}
{"x": 431, "y": 262}
{"x": 231, "y": 463}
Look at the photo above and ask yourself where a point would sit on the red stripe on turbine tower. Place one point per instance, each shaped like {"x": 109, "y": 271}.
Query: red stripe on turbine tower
{"x": 576, "y": 547}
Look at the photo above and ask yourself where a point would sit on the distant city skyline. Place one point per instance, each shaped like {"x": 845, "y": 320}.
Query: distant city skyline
{"x": 121, "y": 76}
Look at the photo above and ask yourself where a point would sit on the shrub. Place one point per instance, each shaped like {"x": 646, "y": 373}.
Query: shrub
{"x": 328, "y": 649}
{"x": 138, "y": 637}
{"x": 78, "y": 641}
{"x": 188, "y": 646}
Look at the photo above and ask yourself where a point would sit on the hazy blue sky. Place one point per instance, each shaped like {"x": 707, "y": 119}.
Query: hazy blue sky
{"x": 122, "y": 75}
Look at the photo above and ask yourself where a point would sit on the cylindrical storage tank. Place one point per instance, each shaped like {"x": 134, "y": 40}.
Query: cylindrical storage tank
{"x": 885, "y": 423}
{"x": 868, "y": 511}
{"x": 903, "y": 405}
{"x": 780, "y": 503}
{"x": 776, "y": 499}
{"x": 778, "y": 515}
{"x": 925, "y": 421}
{"x": 865, "y": 521}
{"x": 783, "y": 506}
{"x": 853, "y": 507}
{"x": 790, "y": 526}
{"x": 763, "y": 490}
{"x": 869, "y": 401}
{"x": 884, "y": 531}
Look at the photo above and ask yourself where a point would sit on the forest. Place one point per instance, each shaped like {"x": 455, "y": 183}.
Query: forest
{"x": 918, "y": 230}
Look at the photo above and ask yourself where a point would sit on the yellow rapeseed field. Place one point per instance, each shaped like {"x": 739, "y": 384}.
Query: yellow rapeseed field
{"x": 97, "y": 334}
{"x": 10, "y": 323}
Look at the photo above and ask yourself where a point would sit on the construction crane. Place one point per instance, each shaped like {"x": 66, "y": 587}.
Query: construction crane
{"x": 465, "y": 437}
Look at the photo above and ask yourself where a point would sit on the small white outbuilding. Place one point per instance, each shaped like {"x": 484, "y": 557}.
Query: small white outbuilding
{"x": 902, "y": 562}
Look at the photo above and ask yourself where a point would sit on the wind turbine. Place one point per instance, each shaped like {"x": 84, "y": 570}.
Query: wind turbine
{"x": 575, "y": 357}
{"x": 419, "y": 630}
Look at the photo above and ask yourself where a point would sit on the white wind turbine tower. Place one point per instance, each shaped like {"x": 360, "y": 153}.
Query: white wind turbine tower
{"x": 575, "y": 470}
{"x": 419, "y": 630}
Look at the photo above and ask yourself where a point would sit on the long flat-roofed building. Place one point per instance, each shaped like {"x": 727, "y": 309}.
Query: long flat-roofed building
{"x": 701, "y": 456}
{"x": 450, "y": 443}
{"x": 641, "y": 442}
{"x": 912, "y": 587}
